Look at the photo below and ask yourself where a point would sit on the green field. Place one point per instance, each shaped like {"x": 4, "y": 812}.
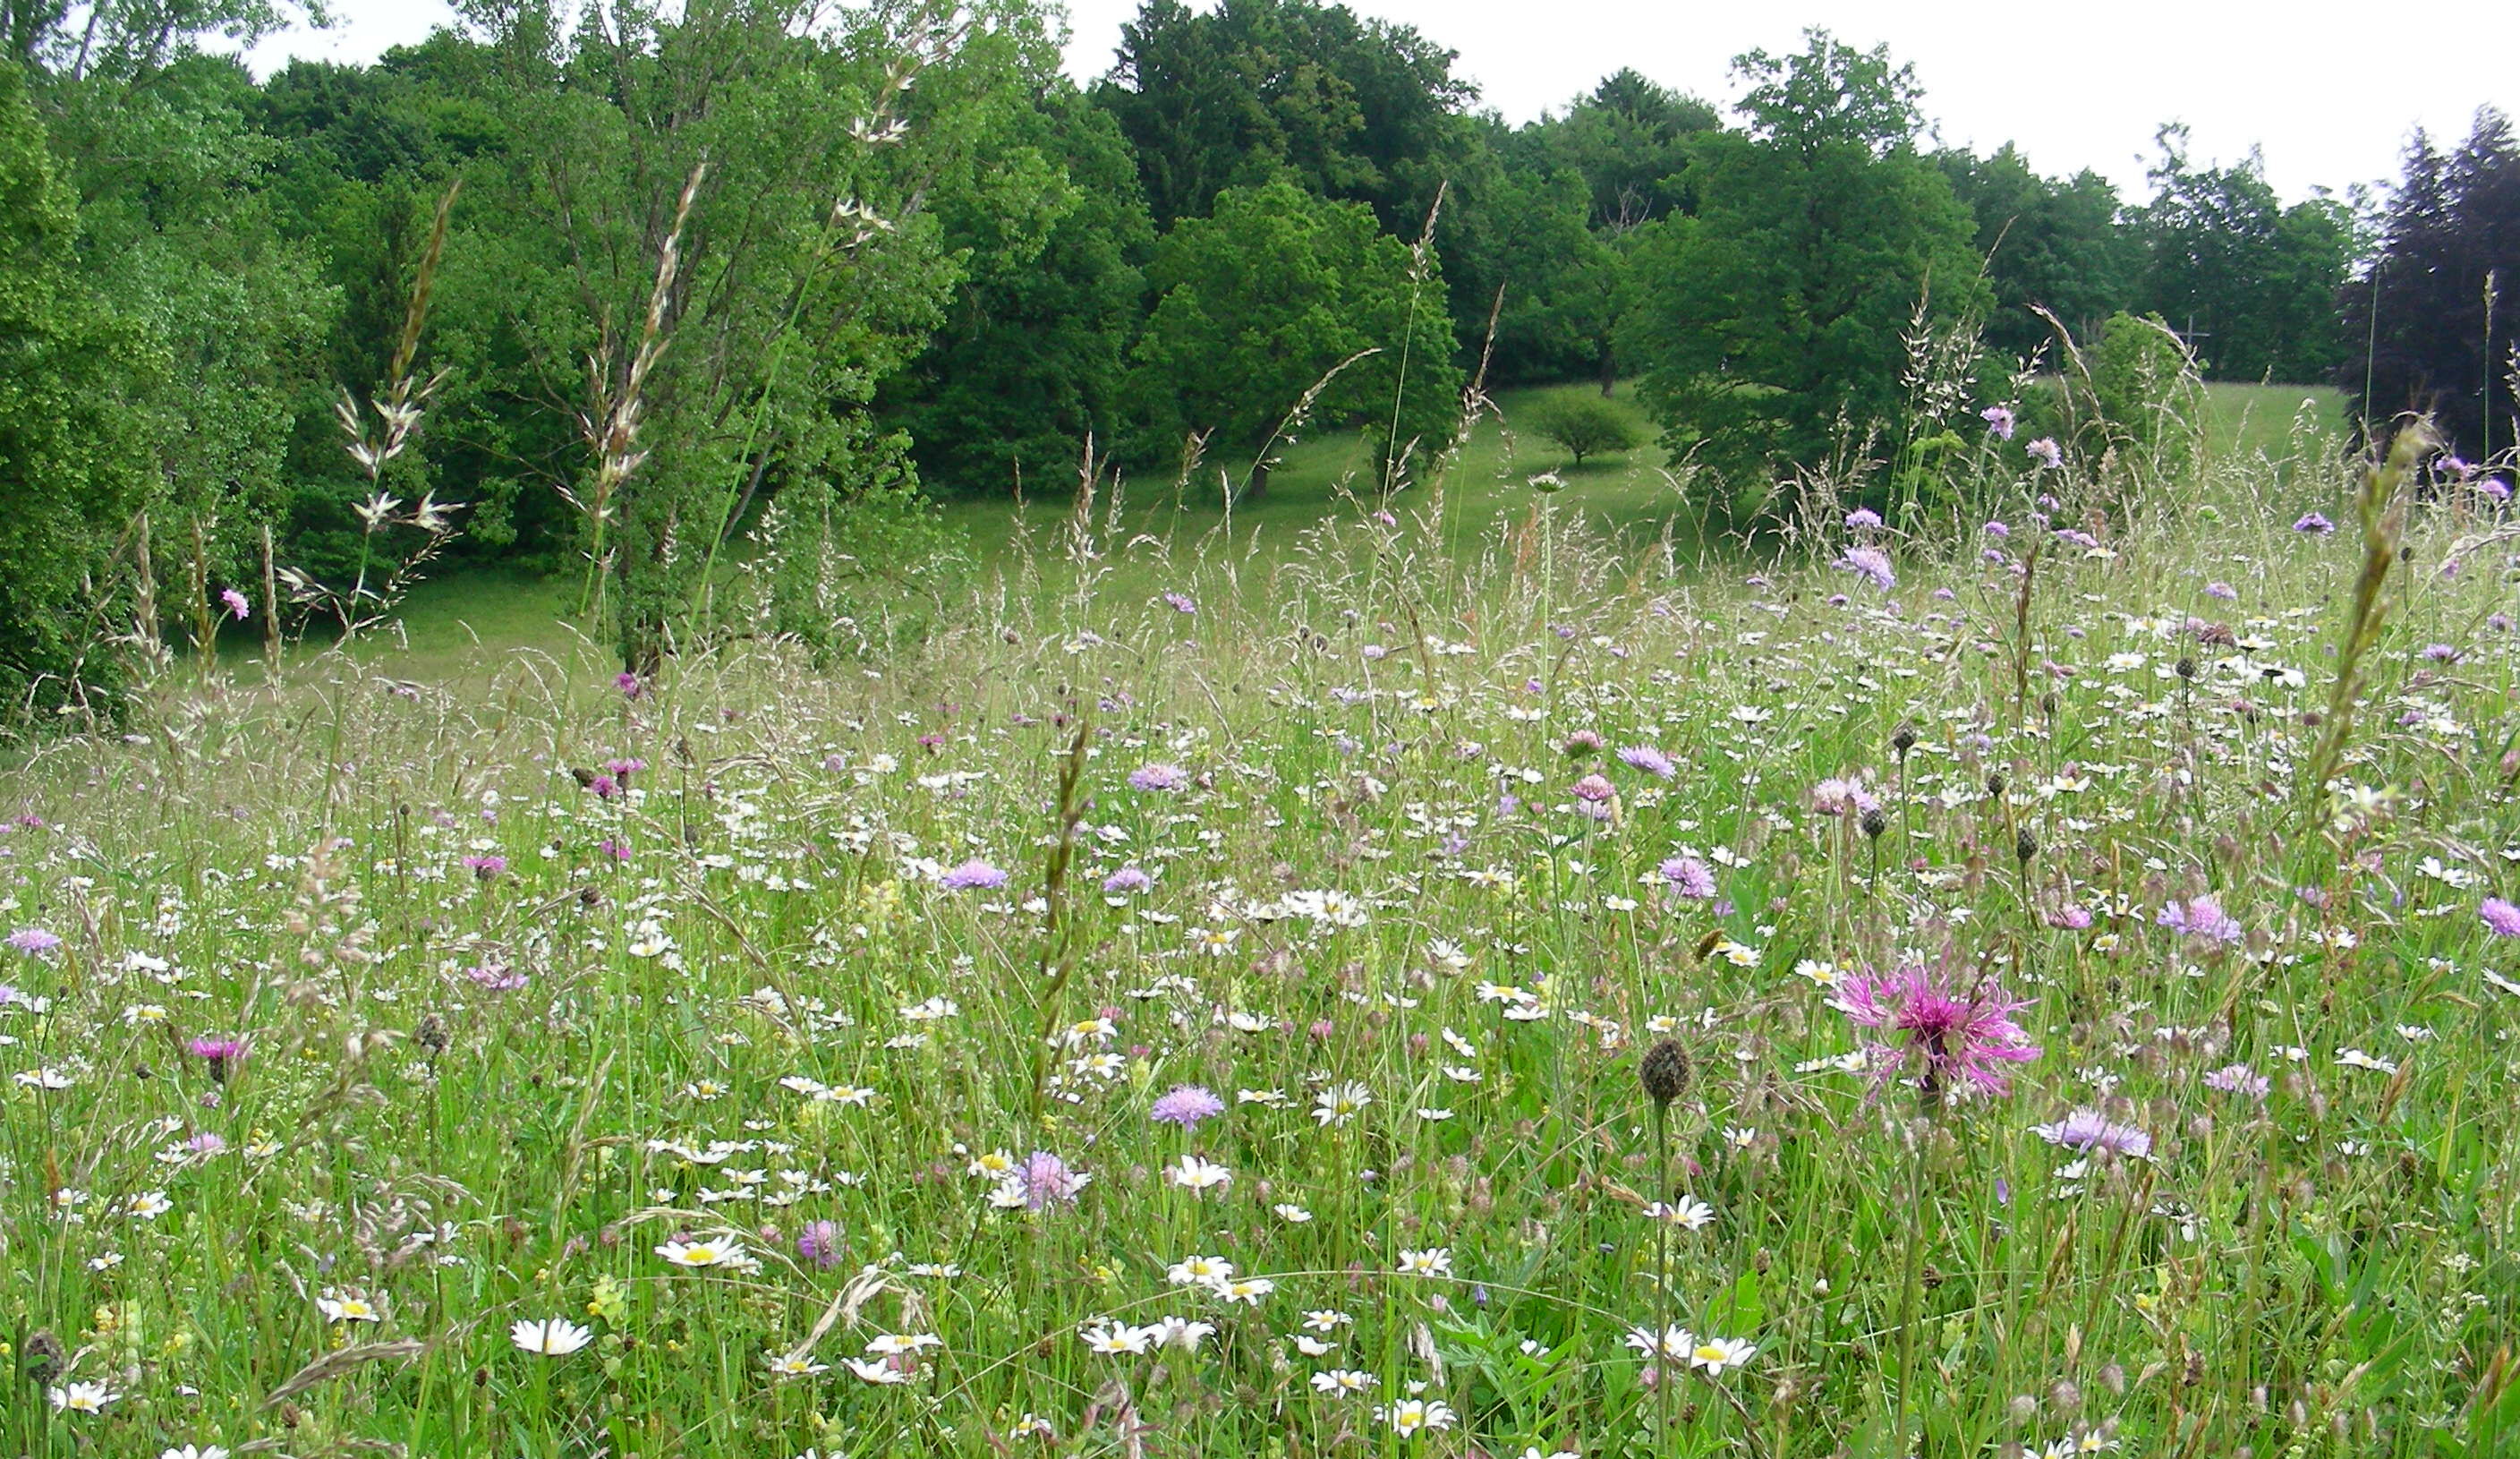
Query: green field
{"x": 2083, "y": 999}
{"x": 1628, "y": 497}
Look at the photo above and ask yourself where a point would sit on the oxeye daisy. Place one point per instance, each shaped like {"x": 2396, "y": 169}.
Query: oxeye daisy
{"x": 703, "y": 1252}
{"x": 555, "y": 1337}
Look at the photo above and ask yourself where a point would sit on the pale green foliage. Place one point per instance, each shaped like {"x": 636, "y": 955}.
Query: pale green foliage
{"x": 1584, "y": 424}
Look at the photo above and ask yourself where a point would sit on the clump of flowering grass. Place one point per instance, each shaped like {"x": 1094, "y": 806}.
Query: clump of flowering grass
{"x": 437, "y": 1096}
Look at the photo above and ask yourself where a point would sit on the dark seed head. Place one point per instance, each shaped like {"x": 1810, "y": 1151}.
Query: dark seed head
{"x": 1874, "y": 822}
{"x": 1664, "y": 1071}
{"x": 41, "y": 1354}
{"x": 431, "y": 1034}
{"x": 1902, "y": 739}
{"x": 1995, "y": 782}
{"x": 2026, "y": 845}
{"x": 2187, "y": 667}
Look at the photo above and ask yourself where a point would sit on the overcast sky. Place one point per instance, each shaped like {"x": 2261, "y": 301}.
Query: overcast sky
{"x": 2320, "y": 87}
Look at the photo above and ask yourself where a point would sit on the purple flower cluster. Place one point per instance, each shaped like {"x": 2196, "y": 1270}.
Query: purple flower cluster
{"x": 972, "y": 874}
{"x": 2202, "y": 917}
{"x": 1960, "y": 1040}
{"x": 1868, "y": 561}
{"x": 1186, "y": 1105}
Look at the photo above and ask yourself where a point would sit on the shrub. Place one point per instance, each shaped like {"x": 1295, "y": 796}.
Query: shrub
{"x": 1584, "y": 424}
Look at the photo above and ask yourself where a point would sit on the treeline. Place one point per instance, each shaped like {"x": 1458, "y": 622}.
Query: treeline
{"x": 743, "y": 278}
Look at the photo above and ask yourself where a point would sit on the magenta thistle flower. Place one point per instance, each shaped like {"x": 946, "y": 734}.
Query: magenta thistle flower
{"x": 628, "y": 685}
{"x": 1960, "y": 1042}
{"x": 2201, "y": 917}
{"x": 975, "y": 872}
{"x": 218, "y": 1053}
{"x": 2500, "y": 917}
{"x": 1186, "y": 1105}
{"x": 485, "y": 867}
{"x": 1650, "y": 760}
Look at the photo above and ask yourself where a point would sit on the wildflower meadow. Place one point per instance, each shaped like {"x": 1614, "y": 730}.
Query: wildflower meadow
{"x": 2043, "y": 992}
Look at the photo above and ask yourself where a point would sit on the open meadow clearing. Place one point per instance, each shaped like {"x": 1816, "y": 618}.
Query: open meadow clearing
{"x": 1935, "y": 1001}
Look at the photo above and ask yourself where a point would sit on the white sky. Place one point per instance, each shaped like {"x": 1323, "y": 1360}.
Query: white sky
{"x": 2320, "y": 86}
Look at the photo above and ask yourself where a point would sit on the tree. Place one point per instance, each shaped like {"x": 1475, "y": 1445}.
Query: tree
{"x": 2420, "y": 333}
{"x": 1585, "y": 426}
{"x": 2247, "y": 280}
{"x": 1349, "y": 109}
{"x": 2048, "y": 242}
{"x": 1269, "y": 296}
{"x": 74, "y": 453}
{"x": 1054, "y": 234}
{"x": 1629, "y": 140}
{"x": 1772, "y": 321}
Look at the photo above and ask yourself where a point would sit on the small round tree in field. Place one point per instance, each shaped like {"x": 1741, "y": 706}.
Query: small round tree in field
{"x": 1586, "y": 426}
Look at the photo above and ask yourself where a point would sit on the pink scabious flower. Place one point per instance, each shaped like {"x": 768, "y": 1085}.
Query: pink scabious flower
{"x": 35, "y": 941}
{"x": 1864, "y": 519}
{"x": 2312, "y": 525}
{"x": 2087, "y": 1130}
{"x": 1690, "y": 878}
{"x": 1998, "y": 418}
{"x": 1594, "y": 787}
{"x": 1045, "y": 1180}
{"x": 2045, "y": 452}
{"x": 975, "y": 872}
{"x": 1868, "y": 561}
{"x": 237, "y": 606}
{"x": 1650, "y": 760}
{"x": 2238, "y": 1078}
{"x": 2070, "y": 917}
{"x": 1186, "y": 1105}
{"x": 2500, "y": 917}
{"x": 1843, "y": 795}
{"x": 1960, "y": 1040}
{"x": 2201, "y": 917}
{"x": 1158, "y": 777}
{"x": 1180, "y": 603}
{"x": 1126, "y": 880}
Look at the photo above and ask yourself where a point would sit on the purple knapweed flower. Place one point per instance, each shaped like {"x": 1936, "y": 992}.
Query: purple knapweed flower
{"x": 1960, "y": 1040}
{"x": 2441, "y": 653}
{"x": 220, "y": 1054}
{"x": 820, "y": 1243}
{"x": 1186, "y": 1105}
{"x": 1843, "y": 795}
{"x": 975, "y": 872}
{"x": 629, "y": 685}
{"x": 2070, "y": 917}
{"x": 1595, "y": 789}
{"x": 485, "y": 867}
{"x": 2201, "y": 917}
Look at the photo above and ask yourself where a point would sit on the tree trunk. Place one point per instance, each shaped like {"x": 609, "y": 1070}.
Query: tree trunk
{"x": 1256, "y": 485}
{"x": 1609, "y": 371}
